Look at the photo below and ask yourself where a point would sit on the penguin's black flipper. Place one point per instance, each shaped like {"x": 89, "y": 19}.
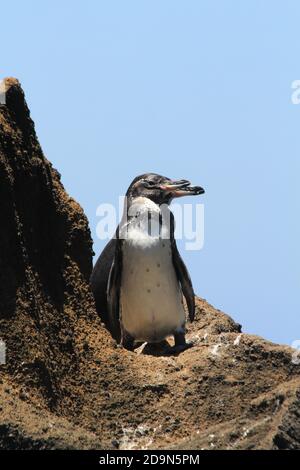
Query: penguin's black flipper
{"x": 182, "y": 274}
{"x": 99, "y": 279}
{"x": 114, "y": 292}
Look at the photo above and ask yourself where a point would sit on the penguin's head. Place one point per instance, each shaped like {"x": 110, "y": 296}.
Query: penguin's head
{"x": 160, "y": 189}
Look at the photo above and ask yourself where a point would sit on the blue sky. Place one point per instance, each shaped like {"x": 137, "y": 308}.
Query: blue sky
{"x": 189, "y": 89}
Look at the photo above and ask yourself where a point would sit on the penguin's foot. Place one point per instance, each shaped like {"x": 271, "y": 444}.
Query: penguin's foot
{"x": 180, "y": 343}
{"x": 179, "y": 338}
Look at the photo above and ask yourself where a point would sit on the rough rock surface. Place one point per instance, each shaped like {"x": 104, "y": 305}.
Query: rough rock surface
{"x": 65, "y": 384}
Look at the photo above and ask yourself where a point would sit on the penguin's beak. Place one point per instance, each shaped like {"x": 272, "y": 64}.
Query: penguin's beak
{"x": 181, "y": 188}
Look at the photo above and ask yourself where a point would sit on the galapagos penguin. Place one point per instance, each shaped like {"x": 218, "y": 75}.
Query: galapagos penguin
{"x": 140, "y": 278}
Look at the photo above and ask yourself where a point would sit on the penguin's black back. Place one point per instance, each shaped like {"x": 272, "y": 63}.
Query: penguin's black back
{"x": 99, "y": 279}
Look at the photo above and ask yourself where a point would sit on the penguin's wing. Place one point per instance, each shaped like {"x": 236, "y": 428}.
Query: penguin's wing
{"x": 114, "y": 291}
{"x": 99, "y": 279}
{"x": 182, "y": 273}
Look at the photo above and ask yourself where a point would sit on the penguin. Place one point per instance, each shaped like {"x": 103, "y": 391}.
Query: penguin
{"x": 140, "y": 279}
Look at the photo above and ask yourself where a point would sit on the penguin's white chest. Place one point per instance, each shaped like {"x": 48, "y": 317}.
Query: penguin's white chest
{"x": 151, "y": 299}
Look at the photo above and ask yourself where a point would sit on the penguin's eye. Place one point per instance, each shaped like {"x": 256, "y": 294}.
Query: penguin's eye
{"x": 150, "y": 184}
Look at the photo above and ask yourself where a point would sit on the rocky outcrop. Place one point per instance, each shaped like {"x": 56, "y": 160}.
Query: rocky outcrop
{"x": 65, "y": 384}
